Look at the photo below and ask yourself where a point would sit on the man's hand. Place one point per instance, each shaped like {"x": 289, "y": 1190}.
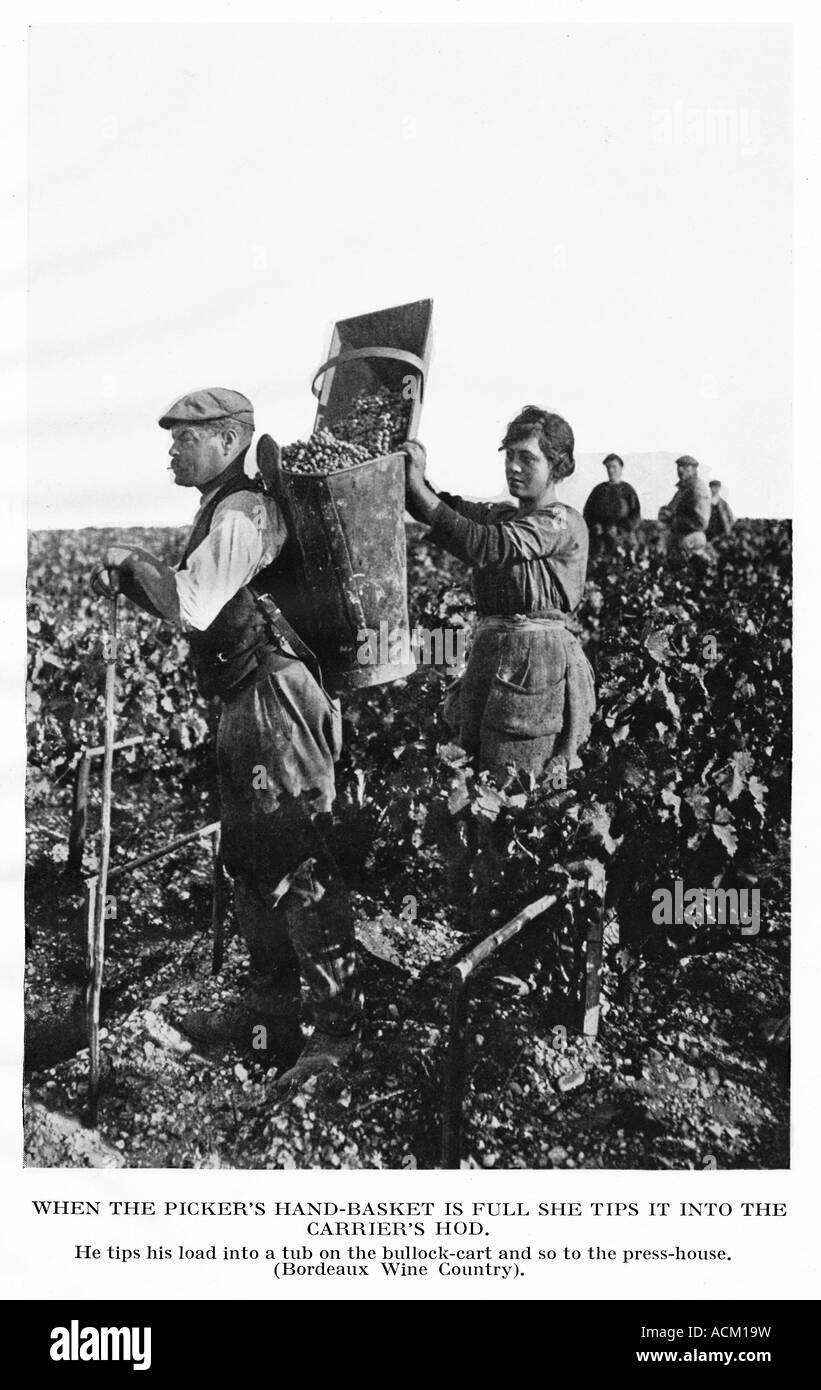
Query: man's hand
{"x": 415, "y": 461}
{"x": 664, "y": 514}
{"x": 141, "y": 578}
{"x": 105, "y": 576}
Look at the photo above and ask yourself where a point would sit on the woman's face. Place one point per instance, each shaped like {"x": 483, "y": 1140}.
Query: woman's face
{"x": 528, "y": 471}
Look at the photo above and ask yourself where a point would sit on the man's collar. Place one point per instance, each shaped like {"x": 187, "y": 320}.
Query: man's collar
{"x": 210, "y": 490}
{"x": 235, "y": 469}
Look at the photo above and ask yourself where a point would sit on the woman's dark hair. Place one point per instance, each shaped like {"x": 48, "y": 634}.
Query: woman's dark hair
{"x": 613, "y": 458}
{"x": 553, "y": 433}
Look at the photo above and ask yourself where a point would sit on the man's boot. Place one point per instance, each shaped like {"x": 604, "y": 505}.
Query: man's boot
{"x": 320, "y": 925}
{"x": 322, "y": 1053}
{"x": 264, "y": 1020}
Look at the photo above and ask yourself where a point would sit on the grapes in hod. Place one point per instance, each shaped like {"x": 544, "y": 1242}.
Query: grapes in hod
{"x": 375, "y": 424}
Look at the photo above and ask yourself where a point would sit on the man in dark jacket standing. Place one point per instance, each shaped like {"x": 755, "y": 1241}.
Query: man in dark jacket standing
{"x": 277, "y": 740}
{"x": 612, "y": 511}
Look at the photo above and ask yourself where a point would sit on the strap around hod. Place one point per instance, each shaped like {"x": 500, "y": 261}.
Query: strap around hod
{"x": 355, "y": 354}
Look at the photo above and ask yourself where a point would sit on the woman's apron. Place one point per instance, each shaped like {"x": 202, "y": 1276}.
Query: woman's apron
{"x": 526, "y": 698}
{"x": 527, "y": 695}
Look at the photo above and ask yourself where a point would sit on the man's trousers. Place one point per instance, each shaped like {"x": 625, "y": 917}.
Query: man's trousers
{"x": 276, "y": 745}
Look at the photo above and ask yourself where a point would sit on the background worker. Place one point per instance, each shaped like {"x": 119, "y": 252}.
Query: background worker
{"x": 687, "y": 514}
{"x": 721, "y": 520}
{"x": 612, "y": 511}
{"x": 277, "y": 740}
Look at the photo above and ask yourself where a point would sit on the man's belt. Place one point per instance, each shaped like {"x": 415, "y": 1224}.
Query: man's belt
{"x": 249, "y": 665}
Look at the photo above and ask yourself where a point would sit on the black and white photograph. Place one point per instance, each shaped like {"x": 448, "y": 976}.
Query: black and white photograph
{"x": 409, "y": 596}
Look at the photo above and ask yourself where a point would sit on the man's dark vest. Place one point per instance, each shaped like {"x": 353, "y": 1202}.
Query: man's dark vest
{"x": 228, "y": 652}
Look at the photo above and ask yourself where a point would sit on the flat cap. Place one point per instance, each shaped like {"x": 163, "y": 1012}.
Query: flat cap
{"x": 688, "y": 458}
{"x": 214, "y": 403}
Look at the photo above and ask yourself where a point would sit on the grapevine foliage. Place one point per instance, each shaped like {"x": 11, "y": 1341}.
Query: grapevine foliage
{"x": 156, "y": 690}
{"x": 687, "y": 773}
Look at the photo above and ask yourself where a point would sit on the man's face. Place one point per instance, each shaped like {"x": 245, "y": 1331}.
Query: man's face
{"x": 715, "y": 490}
{"x": 613, "y": 471}
{"x": 527, "y": 469}
{"x": 197, "y": 457}
{"x": 685, "y": 471}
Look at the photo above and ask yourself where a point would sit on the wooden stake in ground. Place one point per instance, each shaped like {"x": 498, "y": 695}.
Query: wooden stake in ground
{"x": 79, "y": 805}
{"x": 217, "y": 903}
{"x": 96, "y": 951}
{"x": 79, "y": 817}
{"x": 455, "y": 1060}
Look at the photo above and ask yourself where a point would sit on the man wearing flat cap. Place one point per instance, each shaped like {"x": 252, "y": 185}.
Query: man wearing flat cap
{"x": 278, "y": 734}
{"x": 612, "y": 511}
{"x": 687, "y": 513}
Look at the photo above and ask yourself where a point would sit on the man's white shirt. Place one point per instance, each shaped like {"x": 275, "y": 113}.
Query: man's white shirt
{"x": 247, "y": 533}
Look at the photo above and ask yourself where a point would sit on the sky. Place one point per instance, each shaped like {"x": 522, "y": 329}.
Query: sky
{"x": 206, "y": 200}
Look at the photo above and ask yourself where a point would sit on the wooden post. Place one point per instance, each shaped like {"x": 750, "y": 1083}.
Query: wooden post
{"x": 98, "y": 942}
{"x": 131, "y": 864}
{"x": 79, "y": 803}
{"x": 94, "y": 977}
{"x": 218, "y": 902}
{"x": 455, "y": 1072}
{"x": 79, "y": 817}
{"x": 592, "y": 974}
{"x": 454, "y": 1085}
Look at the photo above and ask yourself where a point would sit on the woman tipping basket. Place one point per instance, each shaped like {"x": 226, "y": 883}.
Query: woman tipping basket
{"x": 526, "y": 698}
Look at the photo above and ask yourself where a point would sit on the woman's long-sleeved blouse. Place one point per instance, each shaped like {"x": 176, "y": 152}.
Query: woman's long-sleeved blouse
{"x": 522, "y": 562}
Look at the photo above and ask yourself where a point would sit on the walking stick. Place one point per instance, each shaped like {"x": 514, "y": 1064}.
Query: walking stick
{"x": 97, "y": 912}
